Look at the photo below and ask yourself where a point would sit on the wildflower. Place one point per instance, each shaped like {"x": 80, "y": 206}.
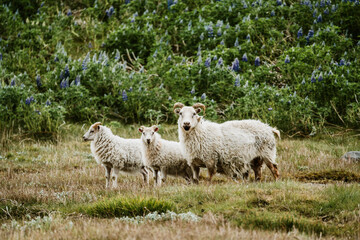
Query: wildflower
{"x": 208, "y": 62}
{"x": 244, "y": 58}
{"x": 300, "y": 33}
{"x": 235, "y": 65}
{"x": 48, "y": 103}
{"x": 1, "y": 56}
{"x": 192, "y": 91}
{"x": 222, "y": 42}
{"x": 117, "y": 55}
{"x": 245, "y": 5}
{"x": 28, "y": 101}
{"x": 69, "y": 13}
{"x": 330, "y": 73}
{"x": 56, "y": 59}
{"x": 199, "y": 60}
{"x": 110, "y": 12}
{"x": 168, "y": 58}
{"x": 278, "y": 2}
{"x": 313, "y": 80}
{"x": 42, "y": 4}
{"x": 203, "y": 96}
{"x": 287, "y": 59}
{"x": 38, "y": 80}
{"x": 320, "y": 77}
{"x": 124, "y": 96}
{"x": 326, "y": 11}
{"x": 210, "y": 31}
{"x": 219, "y": 33}
{"x": 236, "y": 42}
{"x": 130, "y": 89}
{"x": 128, "y": 1}
{"x": 66, "y": 72}
{"x": 38, "y": 112}
{"x": 257, "y": 61}
{"x": 311, "y": 33}
{"x": 215, "y": 58}
{"x": 12, "y": 83}
{"x": 202, "y": 36}
{"x": 90, "y": 45}
{"x": 237, "y": 81}
{"x": 303, "y": 81}
{"x": 272, "y": 13}
{"x": 32, "y": 99}
{"x": 19, "y": 35}
{"x": 270, "y": 109}
{"x": 319, "y": 18}
{"x": 77, "y": 80}
{"x": 342, "y": 62}
{"x": 248, "y": 37}
{"x": 220, "y": 62}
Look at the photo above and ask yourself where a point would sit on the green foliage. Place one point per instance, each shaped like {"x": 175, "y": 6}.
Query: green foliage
{"x": 132, "y": 60}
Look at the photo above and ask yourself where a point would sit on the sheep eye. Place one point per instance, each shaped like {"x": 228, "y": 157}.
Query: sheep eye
{"x": 194, "y": 114}
{"x": 180, "y": 114}
{"x": 152, "y": 133}
{"x": 143, "y": 133}
{"x": 92, "y": 131}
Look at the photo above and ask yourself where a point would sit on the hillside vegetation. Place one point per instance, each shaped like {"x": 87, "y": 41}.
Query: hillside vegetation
{"x": 293, "y": 64}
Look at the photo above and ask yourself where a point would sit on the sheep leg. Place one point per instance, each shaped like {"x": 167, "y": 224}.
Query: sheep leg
{"x": 196, "y": 173}
{"x": 115, "y": 177}
{"x": 163, "y": 175}
{"x": 273, "y": 168}
{"x": 145, "y": 175}
{"x": 211, "y": 171}
{"x": 156, "y": 177}
{"x": 256, "y": 165}
{"x": 107, "y": 175}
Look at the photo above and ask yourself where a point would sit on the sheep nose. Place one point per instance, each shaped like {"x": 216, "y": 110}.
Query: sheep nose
{"x": 148, "y": 141}
{"x": 186, "y": 123}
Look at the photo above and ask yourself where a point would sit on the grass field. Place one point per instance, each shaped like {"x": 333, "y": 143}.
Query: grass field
{"x": 55, "y": 190}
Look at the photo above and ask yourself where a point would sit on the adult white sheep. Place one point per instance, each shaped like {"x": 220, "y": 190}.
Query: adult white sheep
{"x": 163, "y": 156}
{"x": 115, "y": 153}
{"x": 230, "y": 148}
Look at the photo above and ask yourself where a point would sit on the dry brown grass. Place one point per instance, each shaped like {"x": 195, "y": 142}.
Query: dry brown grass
{"x": 53, "y": 176}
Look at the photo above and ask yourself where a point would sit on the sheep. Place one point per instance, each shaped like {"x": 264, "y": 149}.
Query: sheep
{"x": 230, "y": 148}
{"x": 116, "y": 153}
{"x": 163, "y": 156}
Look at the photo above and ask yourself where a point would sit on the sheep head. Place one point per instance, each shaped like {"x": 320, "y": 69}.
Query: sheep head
{"x": 188, "y": 116}
{"x": 93, "y": 130}
{"x": 148, "y": 134}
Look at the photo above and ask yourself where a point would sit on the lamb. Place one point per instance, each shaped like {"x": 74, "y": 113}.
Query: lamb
{"x": 230, "y": 148}
{"x": 163, "y": 156}
{"x": 116, "y": 153}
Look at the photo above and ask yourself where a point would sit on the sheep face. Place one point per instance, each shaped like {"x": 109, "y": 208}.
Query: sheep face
{"x": 148, "y": 134}
{"x": 91, "y": 133}
{"x": 188, "y": 116}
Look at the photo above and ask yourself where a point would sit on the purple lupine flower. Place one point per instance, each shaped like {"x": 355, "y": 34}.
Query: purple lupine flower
{"x": 66, "y": 71}
{"x": 208, "y": 62}
{"x": 192, "y": 91}
{"x": 237, "y": 81}
{"x": 313, "y": 79}
{"x": 235, "y": 65}
{"x": 1, "y": 57}
{"x": 210, "y": 31}
{"x": 320, "y": 78}
{"x": 287, "y": 59}
{"x": 124, "y": 96}
{"x": 42, "y": 4}
{"x": 128, "y": 1}
{"x": 110, "y": 12}
{"x": 244, "y": 58}
{"x": 203, "y": 96}
{"x": 38, "y": 81}
{"x": 236, "y": 44}
{"x": 27, "y": 101}
{"x": 248, "y": 37}
{"x": 330, "y": 73}
{"x": 32, "y": 99}
{"x": 319, "y": 18}
{"x": 69, "y": 13}
{"x": 48, "y": 103}
{"x": 220, "y": 62}
{"x": 90, "y": 45}
{"x": 219, "y": 33}
{"x": 311, "y": 33}
{"x": 12, "y": 83}
{"x": 38, "y": 112}
{"x": 314, "y": 13}
{"x": 300, "y": 33}
{"x": 270, "y": 109}
{"x": 19, "y": 35}
{"x": 272, "y": 13}
{"x": 222, "y": 42}
{"x": 168, "y": 58}
{"x": 342, "y": 62}
{"x": 257, "y": 61}
{"x": 56, "y": 59}
{"x": 214, "y": 58}
{"x": 77, "y": 80}
{"x": 245, "y": 5}
{"x": 326, "y": 11}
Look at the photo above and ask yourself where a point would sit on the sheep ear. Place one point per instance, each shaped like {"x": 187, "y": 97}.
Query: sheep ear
{"x": 177, "y": 110}
{"x": 155, "y": 128}
{"x": 198, "y": 110}
{"x": 141, "y": 129}
{"x": 199, "y": 118}
{"x": 97, "y": 125}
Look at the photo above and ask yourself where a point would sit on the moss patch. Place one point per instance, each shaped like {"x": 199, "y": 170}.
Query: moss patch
{"x": 328, "y": 176}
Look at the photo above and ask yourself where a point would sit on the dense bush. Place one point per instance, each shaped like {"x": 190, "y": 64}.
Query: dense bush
{"x": 289, "y": 63}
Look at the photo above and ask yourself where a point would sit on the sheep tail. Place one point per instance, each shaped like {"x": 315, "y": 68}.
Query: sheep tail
{"x": 277, "y": 132}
